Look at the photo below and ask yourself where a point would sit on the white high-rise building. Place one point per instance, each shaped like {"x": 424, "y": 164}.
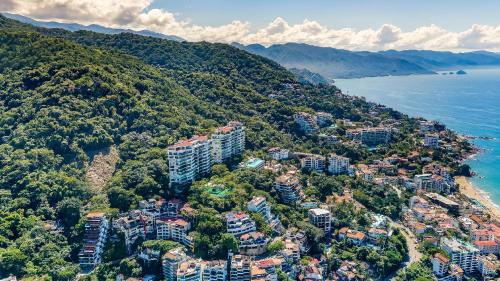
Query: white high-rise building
{"x": 228, "y": 142}
{"x": 315, "y": 163}
{"x": 337, "y": 164}
{"x": 461, "y": 253}
{"x": 190, "y": 159}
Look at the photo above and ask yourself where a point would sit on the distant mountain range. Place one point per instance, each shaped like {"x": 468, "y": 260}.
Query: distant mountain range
{"x": 92, "y": 27}
{"x": 322, "y": 64}
{"x": 334, "y": 63}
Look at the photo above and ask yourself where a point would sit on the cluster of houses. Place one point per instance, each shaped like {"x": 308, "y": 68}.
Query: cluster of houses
{"x": 475, "y": 252}
{"x": 428, "y": 216}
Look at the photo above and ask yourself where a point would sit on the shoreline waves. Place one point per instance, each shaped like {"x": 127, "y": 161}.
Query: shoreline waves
{"x": 473, "y": 192}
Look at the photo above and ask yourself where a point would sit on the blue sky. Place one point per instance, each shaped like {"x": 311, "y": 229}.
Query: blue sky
{"x": 454, "y": 15}
{"x": 371, "y": 25}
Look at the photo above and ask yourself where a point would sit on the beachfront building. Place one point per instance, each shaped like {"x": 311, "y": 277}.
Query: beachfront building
{"x": 370, "y": 136}
{"x": 289, "y": 188}
{"x": 431, "y": 182}
{"x": 313, "y": 163}
{"x": 306, "y": 122}
{"x": 431, "y": 140}
{"x": 189, "y": 160}
{"x": 228, "y": 142}
{"x": 240, "y": 269}
{"x": 337, "y": 164}
{"x": 461, "y": 253}
{"x": 239, "y": 223}
{"x": 278, "y": 154}
{"x": 96, "y": 230}
{"x": 215, "y": 270}
{"x": 320, "y": 218}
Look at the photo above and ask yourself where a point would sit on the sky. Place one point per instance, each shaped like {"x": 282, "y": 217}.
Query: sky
{"x": 371, "y": 25}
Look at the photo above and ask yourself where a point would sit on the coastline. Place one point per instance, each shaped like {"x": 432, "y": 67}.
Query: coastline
{"x": 471, "y": 191}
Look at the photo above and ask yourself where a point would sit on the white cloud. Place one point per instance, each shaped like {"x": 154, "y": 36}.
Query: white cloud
{"x": 136, "y": 14}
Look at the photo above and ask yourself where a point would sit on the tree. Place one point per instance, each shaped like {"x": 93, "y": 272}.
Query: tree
{"x": 415, "y": 271}
{"x": 12, "y": 261}
{"x": 227, "y": 243}
{"x": 130, "y": 267}
{"x": 68, "y": 211}
{"x": 275, "y": 247}
{"x": 120, "y": 198}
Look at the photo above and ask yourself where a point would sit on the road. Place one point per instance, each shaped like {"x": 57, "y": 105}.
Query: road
{"x": 413, "y": 254}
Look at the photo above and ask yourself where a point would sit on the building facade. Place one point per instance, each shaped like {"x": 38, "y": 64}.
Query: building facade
{"x": 228, "y": 142}
{"x": 96, "y": 230}
{"x": 337, "y": 164}
{"x": 189, "y": 160}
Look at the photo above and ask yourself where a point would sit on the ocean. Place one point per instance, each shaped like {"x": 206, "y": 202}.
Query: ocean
{"x": 468, "y": 104}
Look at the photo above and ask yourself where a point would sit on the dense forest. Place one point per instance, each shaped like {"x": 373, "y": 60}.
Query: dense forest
{"x": 65, "y": 95}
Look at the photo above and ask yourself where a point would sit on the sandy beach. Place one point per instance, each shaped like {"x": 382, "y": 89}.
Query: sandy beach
{"x": 468, "y": 189}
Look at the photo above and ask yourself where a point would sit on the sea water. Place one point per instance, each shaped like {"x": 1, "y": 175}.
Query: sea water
{"x": 468, "y": 104}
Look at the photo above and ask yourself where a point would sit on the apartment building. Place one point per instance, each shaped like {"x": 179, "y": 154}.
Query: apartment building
{"x": 313, "y": 163}
{"x": 289, "y": 188}
{"x": 488, "y": 265}
{"x": 170, "y": 263}
{"x": 189, "y": 270}
{"x": 133, "y": 225}
{"x": 461, "y": 253}
{"x": 189, "y": 160}
{"x": 440, "y": 265}
{"x": 239, "y": 223}
{"x": 370, "y": 136}
{"x": 240, "y": 269}
{"x": 320, "y": 218}
{"x": 324, "y": 119}
{"x": 228, "y": 142}
{"x": 431, "y": 140}
{"x": 431, "y": 182}
{"x": 215, "y": 270}
{"x": 253, "y": 243}
{"x": 337, "y": 164}
{"x": 278, "y": 154}
{"x": 259, "y": 204}
{"x": 175, "y": 229}
{"x": 306, "y": 122}
{"x": 96, "y": 230}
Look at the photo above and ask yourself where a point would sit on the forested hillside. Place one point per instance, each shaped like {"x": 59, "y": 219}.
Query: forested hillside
{"x": 64, "y": 95}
